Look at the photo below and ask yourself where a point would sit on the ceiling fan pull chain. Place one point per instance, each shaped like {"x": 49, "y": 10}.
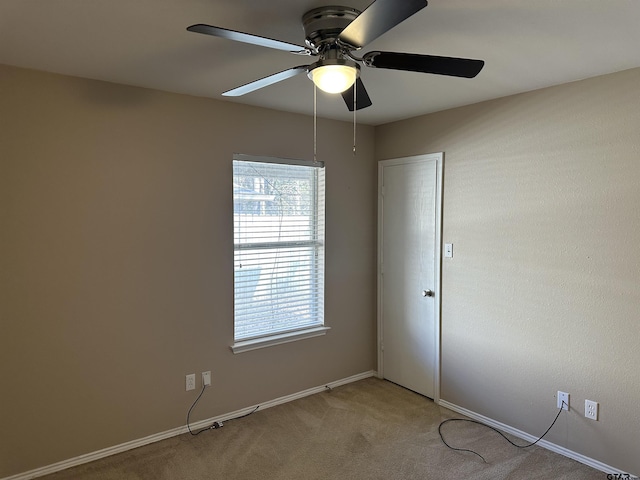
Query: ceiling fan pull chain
{"x": 315, "y": 123}
{"x": 355, "y": 93}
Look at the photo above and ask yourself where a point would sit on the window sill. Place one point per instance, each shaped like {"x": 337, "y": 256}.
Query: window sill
{"x": 254, "y": 344}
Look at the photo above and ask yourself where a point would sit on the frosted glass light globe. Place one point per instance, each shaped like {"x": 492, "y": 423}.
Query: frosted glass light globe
{"x": 333, "y": 78}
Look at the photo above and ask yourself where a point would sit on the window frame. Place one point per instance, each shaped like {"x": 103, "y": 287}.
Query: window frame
{"x": 280, "y": 337}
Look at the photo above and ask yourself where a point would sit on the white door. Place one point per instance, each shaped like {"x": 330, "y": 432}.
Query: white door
{"x": 409, "y": 272}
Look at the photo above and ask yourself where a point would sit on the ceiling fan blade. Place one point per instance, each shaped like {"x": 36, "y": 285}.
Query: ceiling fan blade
{"x": 362, "y": 97}
{"x": 266, "y": 81}
{"x": 455, "y": 67}
{"x": 379, "y": 17}
{"x": 249, "y": 38}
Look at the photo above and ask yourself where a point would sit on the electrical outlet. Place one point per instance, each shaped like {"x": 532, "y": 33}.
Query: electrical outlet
{"x": 191, "y": 381}
{"x": 591, "y": 409}
{"x": 206, "y": 378}
{"x": 562, "y": 400}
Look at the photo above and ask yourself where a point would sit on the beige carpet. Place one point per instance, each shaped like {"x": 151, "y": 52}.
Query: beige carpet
{"x": 371, "y": 429}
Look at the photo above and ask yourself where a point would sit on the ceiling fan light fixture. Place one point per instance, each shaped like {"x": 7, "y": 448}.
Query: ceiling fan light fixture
{"x": 334, "y": 76}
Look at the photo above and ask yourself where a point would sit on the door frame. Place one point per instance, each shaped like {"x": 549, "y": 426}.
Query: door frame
{"x": 439, "y": 159}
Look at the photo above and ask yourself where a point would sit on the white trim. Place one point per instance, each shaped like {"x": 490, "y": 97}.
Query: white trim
{"x": 439, "y": 160}
{"x": 437, "y": 299}
{"x": 603, "y": 467}
{"x": 379, "y": 271}
{"x": 282, "y": 161}
{"x": 262, "y": 342}
{"x": 123, "y": 447}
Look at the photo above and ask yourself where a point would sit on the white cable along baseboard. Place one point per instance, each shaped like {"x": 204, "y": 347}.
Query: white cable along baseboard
{"x": 123, "y": 447}
{"x": 603, "y": 467}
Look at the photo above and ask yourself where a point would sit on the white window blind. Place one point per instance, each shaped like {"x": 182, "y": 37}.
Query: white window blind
{"x": 278, "y": 212}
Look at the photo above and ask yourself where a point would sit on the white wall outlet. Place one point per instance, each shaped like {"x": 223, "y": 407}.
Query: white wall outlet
{"x": 591, "y": 409}
{"x": 448, "y": 250}
{"x": 191, "y": 382}
{"x": 206, "y": 378}
{"x": 562, "y": 400}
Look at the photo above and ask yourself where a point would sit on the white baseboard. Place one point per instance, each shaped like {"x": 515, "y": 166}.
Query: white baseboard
{"x": 106, "y": 452}
{"x": 603, "y": 467}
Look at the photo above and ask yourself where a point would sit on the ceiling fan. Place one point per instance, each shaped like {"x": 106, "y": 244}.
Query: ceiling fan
{"x": 332, "y": 34}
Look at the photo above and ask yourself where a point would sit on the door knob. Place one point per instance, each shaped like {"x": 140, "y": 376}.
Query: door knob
{"x": 427, "y": 293}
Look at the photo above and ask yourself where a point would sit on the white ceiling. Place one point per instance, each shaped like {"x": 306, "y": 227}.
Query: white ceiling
{"x": 526, "y": 44}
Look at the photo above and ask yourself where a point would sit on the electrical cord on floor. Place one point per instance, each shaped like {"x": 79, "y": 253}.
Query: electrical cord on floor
{"x": 495, "y": 430}
{"x": 214, "y": 425}
{"x": 245, "y": 415}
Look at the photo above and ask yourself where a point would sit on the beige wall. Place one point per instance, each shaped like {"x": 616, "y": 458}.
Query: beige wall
{"x": 116, "y": 260}
{"x": 541, "y": 202}
{"x": 116, "y": 254}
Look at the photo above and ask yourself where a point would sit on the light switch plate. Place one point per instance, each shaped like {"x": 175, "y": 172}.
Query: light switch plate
{"x": 448, "y": 250}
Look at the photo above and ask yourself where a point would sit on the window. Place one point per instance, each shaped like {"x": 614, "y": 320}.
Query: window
{"x": 278, "y": 227}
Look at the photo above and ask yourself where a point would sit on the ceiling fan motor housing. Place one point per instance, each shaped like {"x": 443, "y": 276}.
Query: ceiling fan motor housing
{"x": 323, "y": 25}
